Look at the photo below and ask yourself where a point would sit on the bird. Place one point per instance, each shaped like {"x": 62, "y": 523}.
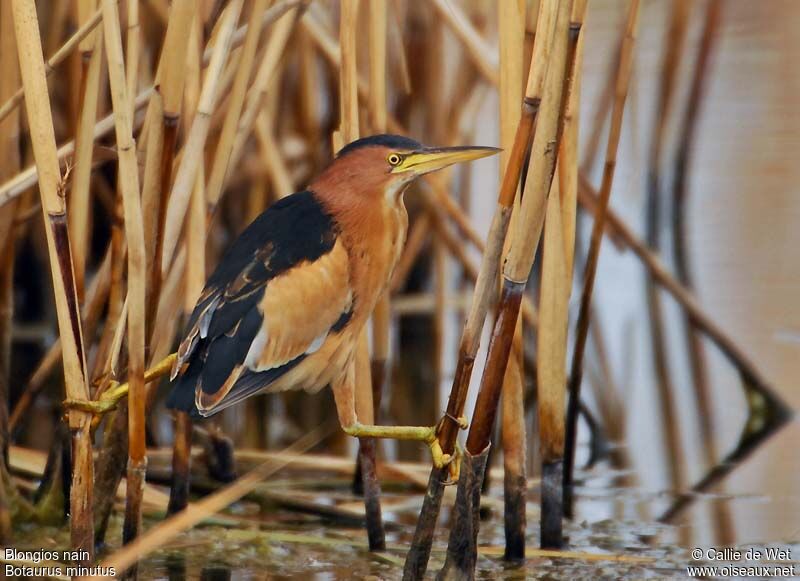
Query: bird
{"x": 285, "y": 306}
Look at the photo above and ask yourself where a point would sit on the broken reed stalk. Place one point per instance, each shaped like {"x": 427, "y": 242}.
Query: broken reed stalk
{"x": 91, "y": 54}
{"x": 674, "y": 45}
{"x": 590, "y": 269}
{"x": 37, "y": 104}
{"x": 134, "y": 233}
{"x": 511, "y": 24}
{"x": 685, "y": 147}
{"x": 161, "y": 141}
{"x": 485, "y": 285}
{"x": 349, "y": 128}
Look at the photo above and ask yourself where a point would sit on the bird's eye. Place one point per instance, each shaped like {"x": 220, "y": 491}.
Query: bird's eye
{"x": 393, "y": 159}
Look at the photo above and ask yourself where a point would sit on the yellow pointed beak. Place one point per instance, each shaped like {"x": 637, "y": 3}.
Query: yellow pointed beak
{"x": 435, "y": 158}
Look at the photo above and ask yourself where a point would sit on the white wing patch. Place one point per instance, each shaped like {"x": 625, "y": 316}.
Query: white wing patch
{"x": 208, "y": 314}
{"x": 256, "y": 347}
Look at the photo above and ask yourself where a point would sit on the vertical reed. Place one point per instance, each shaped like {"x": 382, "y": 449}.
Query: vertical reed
{"x": 511, "y": 25}
{"x": 134, "y": 234}
{"x": 349, "y": 131}
{"x": 554, "y": 295}
{"x": 161, "y": 137}
{"x": 91, "y": 54}
{"x": 590, "y": 269}
{"x": 417, "y": 558}
{"x": 40, "y": 121}
{"x": 9, "y": 166}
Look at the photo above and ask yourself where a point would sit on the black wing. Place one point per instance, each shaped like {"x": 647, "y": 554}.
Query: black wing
{"x": 294, "y": 231}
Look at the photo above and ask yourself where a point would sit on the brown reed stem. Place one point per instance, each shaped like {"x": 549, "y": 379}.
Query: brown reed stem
{"x": 417, "y": 558}
{"x": 511, "y": 24}
{"x": 9, "y": 165}
{"x": 134, "y": 234}
{"x": 381, "y": 316}
{"x": 349, "y": 128}
{"x": 79, "y": 203}
{"x": 161, "y": 140}
{"x": 11, "y": 103}
{"x": 544, "y": 148}
{"x": 181, "y": 463}
{"x": 40, "y": 120}
{"x": 590, "y": 269}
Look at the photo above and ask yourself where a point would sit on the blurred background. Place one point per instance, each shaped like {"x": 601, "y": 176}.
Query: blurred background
{"x": 731, "y": 234}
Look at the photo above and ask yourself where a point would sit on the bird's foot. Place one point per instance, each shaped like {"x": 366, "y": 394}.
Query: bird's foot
{"x": 451, "y": 461}
{"x": 427, "y": 434}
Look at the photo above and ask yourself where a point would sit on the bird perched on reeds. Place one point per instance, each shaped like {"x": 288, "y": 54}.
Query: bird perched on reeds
{"x": 284, "y": 308}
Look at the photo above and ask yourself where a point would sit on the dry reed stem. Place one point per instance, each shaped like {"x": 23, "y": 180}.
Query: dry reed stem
{"x": 11, "y": 103}
{"x": 568, "y": 156}
{"x": 29, "y": 176}
{"x": 225, "y": 144}
{"x": 551, "y": 362}
{"x": 486, "y": 280}
{"x": 134, "y": 234}
{"x": 526, "y": 239}
{"x": 37, "y": 104}
{"x": 92, "y": 309}
{"x": 349, "y": 131}
{"x": 544, "y": 148}
{"x": 381, "y": 315}
{"x": 377, "y": 108}
{"x": 271, "y": 156}
{"x": 164, "y": 108}
{"x": 195, "y": 142}
{"x": 79, "y": 201}
{"x": 267, "y": 70}
{"x": 163, "y": 532}
{"x": 511, "y": 32}
{"x": 476, "y": 46}
{"x": 9, "y": 165}
{"x": 416, "y": 239}
{"x": 590, "y": 268}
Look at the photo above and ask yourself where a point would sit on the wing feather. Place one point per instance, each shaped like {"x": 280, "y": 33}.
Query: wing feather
{"x": 276, "y": 295}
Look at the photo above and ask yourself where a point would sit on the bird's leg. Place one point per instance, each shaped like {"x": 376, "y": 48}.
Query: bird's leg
{"x": 343, "y": 394}
{"x": 425, "y": 434}
{"x": 116, "y": 391}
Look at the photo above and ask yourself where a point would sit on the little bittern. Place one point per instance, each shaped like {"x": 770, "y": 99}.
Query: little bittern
{"x": 284, "y": 308}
